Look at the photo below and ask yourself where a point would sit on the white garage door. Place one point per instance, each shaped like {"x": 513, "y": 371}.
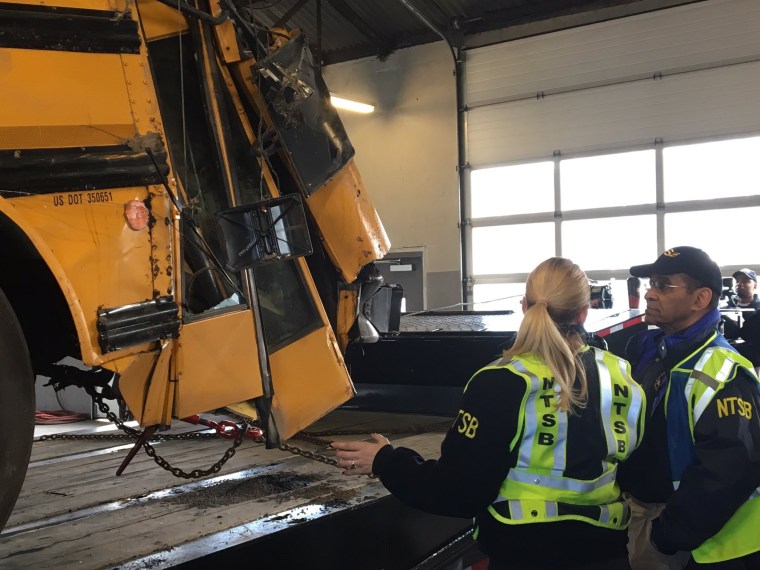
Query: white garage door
{"x": 609, "y": 142}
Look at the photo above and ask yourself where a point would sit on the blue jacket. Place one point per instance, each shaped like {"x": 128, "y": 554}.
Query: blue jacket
{"x": 717, "y": 469}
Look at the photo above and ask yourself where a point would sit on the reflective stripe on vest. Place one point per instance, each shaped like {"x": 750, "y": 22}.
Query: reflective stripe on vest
{"x": 530, "y": 445}
{"x": 562, "y": 483}
{"x": 616, "y": 395}
{"x": 715, "y": 367}
{"x": 739, "y": 536}
{"x": 537, "y": 489}
{"x": 614, "y": 515}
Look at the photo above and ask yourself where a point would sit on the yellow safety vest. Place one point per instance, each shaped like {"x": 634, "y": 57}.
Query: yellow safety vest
{"x": 537, "y": 488}
{"x": 715, "y": 368}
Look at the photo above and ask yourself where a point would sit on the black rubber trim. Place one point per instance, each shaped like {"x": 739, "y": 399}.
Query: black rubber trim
{"x": 44, "y": 171}
{"x": 67, "y": 29}
{"x": 132, "y": 325}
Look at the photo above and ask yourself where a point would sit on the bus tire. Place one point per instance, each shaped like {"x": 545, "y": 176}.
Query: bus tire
{"x": 16, "y": 408}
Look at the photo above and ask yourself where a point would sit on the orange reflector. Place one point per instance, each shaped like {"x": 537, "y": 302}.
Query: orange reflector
{"x": 137, "y": 215}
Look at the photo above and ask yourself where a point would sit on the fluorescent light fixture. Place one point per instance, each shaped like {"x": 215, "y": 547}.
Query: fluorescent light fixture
{"x": 348, "y": 105}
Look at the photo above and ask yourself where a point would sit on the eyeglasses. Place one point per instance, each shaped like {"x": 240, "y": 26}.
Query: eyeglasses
{"x": 661, "y": 286}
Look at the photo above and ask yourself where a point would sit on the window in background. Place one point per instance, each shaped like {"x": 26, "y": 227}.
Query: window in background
{"x": 609, "y": 243}
{"x": 712, "y": 170}
{"x": 608, "y": 180}
{"x": 511, "y": 249}
{"x": 718, "y": 232}
{"x": 510, "y": 190}
{"x": 498, "y": 296}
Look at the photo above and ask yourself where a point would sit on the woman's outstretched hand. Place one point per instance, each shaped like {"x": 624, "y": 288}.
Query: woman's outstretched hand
{"x": 356, "y": 457}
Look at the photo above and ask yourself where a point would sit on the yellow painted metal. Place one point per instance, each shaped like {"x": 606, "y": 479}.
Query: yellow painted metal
{"x": 106, "y": 263}
{"x": 96, "y": 259}
{"x": 160, "y": 21}
{"x": 348, "y": 303}
{"x": 58, "y": 99}
{"x": 348, "y": 222}
{"x": 10, "y": 209}
{"x": 163, "y": 235}
{"x": 115, "y": 5}
{"x": 147, "y": 386}
{"x": 167, "y": 412}
{"x": 310, "y": 379}
{"x": 54, "y": 99}
{"x": 218, "y": 364}
{"x": 134, "y": 383}
{"x": 225, "y": 36}
{"x": 309, "y": 376}
{"x": 64, "y": 99}
{"x": 158, "y": 388}
{"x": 12, "y": 138}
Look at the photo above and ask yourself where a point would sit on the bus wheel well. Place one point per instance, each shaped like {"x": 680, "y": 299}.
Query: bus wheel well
{"x": 36, "y": 298}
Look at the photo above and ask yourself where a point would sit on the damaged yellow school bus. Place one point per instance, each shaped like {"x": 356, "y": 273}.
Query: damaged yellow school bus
{"x": 165, "y": 167}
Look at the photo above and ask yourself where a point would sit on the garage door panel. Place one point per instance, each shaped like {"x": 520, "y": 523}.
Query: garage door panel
{"x": 703, "y": 34}
{"x": 710, "y": 102}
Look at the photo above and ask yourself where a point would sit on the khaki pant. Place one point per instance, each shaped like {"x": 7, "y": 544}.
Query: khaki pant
{"x": 641, "y": 553}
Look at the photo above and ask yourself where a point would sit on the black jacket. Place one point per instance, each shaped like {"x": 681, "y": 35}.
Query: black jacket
{"x": 731, "y": 328}
{"x": 749, "y": 332}
{"x": 466, "y": 478}
{"x": 726, "y": 465}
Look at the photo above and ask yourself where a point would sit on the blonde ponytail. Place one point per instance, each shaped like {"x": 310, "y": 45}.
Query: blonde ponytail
{"x": 556, "y": 293}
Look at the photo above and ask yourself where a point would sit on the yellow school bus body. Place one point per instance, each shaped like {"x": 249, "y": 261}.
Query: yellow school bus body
{"x": 54, "y": 100}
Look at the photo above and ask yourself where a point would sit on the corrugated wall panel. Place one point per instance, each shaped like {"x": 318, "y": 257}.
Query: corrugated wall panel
{"x": 711, "y": 102}
{"x": 593, "y": 100}
{"x": 700, "y": 34}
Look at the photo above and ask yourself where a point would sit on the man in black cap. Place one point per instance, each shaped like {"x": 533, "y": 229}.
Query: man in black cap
{"x": 746, "y": 283}
{"x": 695, "y": 480}
{"x": 749, "y": 329}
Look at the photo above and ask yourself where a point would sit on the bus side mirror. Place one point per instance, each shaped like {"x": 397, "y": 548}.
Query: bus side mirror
{"x": 265, "y": 231}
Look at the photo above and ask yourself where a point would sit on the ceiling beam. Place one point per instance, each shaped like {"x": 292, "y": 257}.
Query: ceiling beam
{"x": 357, "y": 21}
{"x": 365, "y": 50}
{"x": 285, "y": 18}
{"x": 535, "y": 10}
{"x": 476, "y": 36}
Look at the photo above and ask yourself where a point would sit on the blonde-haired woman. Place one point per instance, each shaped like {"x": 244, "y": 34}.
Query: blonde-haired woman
{"x": 533, "y": 453}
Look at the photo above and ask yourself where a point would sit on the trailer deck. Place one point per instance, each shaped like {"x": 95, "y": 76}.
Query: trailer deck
{"x": 424, "y": 366}
{"x": 73, "y": 512}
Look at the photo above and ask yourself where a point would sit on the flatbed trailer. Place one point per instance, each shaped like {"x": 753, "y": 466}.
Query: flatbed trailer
{"x": 270, "y": 507}
{"x": 423, "y": 366}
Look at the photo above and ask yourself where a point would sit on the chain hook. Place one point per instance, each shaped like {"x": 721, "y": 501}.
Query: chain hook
{"x": 227, "y": 429}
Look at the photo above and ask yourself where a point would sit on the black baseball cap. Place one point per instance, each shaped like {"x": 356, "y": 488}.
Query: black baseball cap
{"x": 685, "y": 259}
{"x": 747, "y": 272}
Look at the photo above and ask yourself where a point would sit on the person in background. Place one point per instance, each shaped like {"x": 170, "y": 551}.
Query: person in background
{"x": 534, "y": 451}
{"x": 694, "y": 482}
{"x": 749, "y": 329}
{"x": 745, "y": 298}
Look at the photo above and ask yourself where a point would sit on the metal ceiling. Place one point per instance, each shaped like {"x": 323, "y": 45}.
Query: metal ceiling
{"x": 342, "y": 30}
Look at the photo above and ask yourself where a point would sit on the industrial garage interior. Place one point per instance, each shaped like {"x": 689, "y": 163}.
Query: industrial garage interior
{"x": 498, "y": 133}
{"x": 617, "y": 124}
